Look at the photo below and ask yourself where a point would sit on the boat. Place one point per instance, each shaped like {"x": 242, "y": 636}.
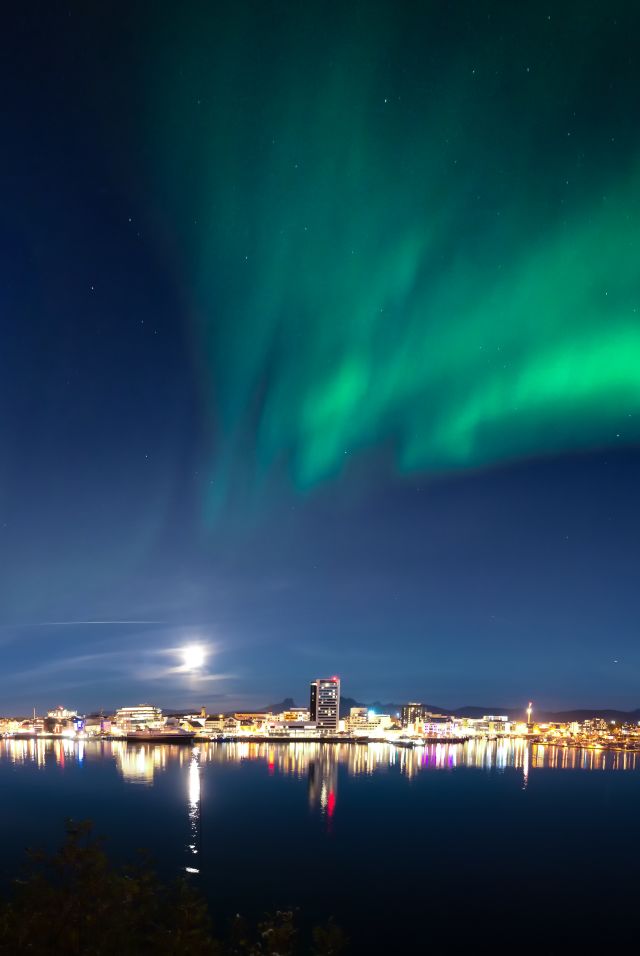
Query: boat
{"x": 160, "y": 736}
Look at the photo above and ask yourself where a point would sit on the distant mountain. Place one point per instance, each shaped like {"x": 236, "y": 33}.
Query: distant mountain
{"x": 286, "y": 704}
{"x": 620, "y": 716}
{"x": 474, "y": 711}
{"x": 562, "y": 716}
{"x": 515, "y": 713}
{"x": 346, "y": 703}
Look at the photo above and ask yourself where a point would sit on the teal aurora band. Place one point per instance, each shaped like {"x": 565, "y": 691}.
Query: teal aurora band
{"x": 401, "y": 237}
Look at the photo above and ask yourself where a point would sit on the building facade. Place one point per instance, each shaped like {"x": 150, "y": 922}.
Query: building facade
{"x": 358, "y": 717}
{"x": 413, "y": 714}
{"x": 138, "y": 717}
{"x": 324, "y": 703}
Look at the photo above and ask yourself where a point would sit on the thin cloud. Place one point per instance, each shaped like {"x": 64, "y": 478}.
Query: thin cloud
{"x": 137, "y": 664}
{"x": 77, "y": 623}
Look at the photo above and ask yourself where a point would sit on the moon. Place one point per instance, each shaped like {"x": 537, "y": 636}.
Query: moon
{"x": 193, "y": 657}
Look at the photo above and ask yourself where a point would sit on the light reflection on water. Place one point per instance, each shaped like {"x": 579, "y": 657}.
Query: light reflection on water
{"x": 365, "y": 811}
{"x": 139, "y": 763}
{"x": 319, "y": 766}
{"x": 490, "y": 755}
{"x": 194, "y": 809}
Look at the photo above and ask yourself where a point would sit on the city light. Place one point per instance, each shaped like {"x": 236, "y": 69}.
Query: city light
{"x": 323, "y": 720}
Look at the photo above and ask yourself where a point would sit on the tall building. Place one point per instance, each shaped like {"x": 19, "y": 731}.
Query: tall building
{"x": 413, "y": 714}
{"x": 324, "y": 703}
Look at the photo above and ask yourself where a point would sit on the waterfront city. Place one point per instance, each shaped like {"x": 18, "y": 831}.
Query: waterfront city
{"x": 413, "y": 725}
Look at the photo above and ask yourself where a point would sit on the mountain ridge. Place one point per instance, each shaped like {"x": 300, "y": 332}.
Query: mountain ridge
{"x": 475, "y": 711}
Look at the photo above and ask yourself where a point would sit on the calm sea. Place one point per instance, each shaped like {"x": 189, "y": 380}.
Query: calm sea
{"x": 503, "y": 845}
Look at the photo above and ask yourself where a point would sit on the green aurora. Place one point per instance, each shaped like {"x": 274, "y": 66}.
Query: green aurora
{"x": 405, "y": 231}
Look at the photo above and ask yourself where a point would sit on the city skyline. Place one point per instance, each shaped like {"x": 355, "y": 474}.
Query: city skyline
{"x": 325, "y": 723}
{"x": 319, "y": 471}
{"x": 337, "y": 706}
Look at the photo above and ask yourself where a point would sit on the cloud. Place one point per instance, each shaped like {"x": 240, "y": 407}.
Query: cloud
{"x": 137, "y": 663}
{"x": 75, "y": 623}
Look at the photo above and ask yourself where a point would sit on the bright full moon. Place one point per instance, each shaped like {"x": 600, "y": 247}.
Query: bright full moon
{"x": 193, "y": 657}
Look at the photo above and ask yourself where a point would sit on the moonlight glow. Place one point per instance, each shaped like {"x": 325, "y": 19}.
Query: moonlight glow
{"x": 193, "y": 657}
{"x": 320, "y": 350}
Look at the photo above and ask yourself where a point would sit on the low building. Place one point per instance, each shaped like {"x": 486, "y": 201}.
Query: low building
{"x": 61, "y": 713}
{"x": 139, "y": 717}
{"x": 214, "y": 723}
{"x": 369, "y": 724}
{"x": 94, "y": 726}
{"x": 489, "y": 725}
{"x": 248, "y": 717}
{"x": 9, "y": 725}
{"x": 441, "y": 726}
{"x": 358, "y": 717}
{"x": 295, "y": 715}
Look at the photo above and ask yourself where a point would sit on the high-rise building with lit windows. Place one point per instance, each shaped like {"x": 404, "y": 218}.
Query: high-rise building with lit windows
{"x": 414, "y": 713}
{"x": 324, "y": 703}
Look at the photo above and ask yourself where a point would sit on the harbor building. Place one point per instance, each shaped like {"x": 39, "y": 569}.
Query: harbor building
{"x": 139, "y": 717}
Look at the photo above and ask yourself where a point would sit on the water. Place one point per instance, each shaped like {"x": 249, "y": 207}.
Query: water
{"x": 496, "y": 843}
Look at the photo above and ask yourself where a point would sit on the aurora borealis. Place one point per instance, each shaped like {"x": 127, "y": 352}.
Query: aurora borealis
{"x": 323, "y": 339}
{"x": 408, "y": 235}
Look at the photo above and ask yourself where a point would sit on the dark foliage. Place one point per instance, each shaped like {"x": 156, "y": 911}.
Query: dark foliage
{"x": 77, "y": 903}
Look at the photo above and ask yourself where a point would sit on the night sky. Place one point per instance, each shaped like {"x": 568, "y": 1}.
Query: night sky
{"x": 320, "y": 349}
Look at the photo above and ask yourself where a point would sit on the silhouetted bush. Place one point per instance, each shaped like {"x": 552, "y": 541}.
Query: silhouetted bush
{"x": 77, "y": 903}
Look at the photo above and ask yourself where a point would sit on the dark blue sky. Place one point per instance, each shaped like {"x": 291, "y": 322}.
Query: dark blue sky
{"x": 176, "y": 461}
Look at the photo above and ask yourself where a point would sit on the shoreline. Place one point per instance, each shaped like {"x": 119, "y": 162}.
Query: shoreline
{"x": 361, "y": 741}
